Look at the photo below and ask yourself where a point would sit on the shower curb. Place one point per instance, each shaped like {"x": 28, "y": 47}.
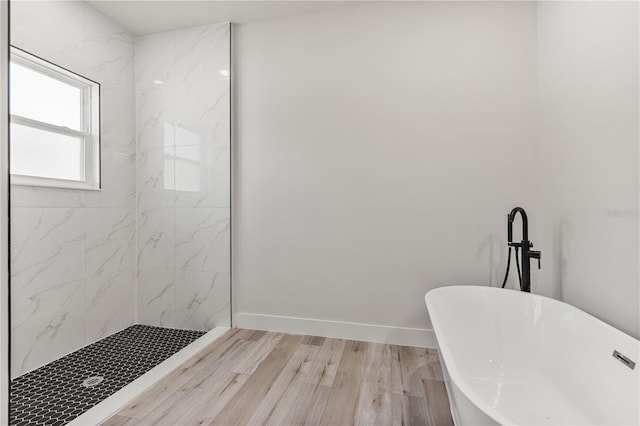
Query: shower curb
{"x": 114, "y": 403}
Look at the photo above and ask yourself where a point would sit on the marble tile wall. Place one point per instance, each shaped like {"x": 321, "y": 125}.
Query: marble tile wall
{"x": 77, "y": 275}
{"x": 73, "y": 252}
{"x": 183, "y": 178}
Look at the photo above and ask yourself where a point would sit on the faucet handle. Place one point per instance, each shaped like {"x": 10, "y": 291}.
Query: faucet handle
{"x": 536, "y": 255}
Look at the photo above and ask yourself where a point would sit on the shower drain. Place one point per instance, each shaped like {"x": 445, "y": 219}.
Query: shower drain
{"x": 92, "y": 381}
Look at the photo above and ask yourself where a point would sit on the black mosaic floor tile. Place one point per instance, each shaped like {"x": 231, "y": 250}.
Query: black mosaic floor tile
{"x": 54, "y": 395}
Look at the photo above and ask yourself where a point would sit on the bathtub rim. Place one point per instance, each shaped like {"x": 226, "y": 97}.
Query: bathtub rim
{"x": 444, "y": 349}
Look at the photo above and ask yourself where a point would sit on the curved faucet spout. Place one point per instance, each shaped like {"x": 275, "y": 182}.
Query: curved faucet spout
{"x": 525, "y": 224}
{"x": 525, "y": 245}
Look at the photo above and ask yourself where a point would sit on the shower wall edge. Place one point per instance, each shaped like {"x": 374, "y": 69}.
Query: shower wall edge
{"x": 4, "y": 213}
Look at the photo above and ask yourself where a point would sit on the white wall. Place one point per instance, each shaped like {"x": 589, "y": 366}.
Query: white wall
{"x": 379, "y": 149}
{"x": 183, "y": 178}
{"x": 72, "y": 251}
{"x": 588, "y": 148}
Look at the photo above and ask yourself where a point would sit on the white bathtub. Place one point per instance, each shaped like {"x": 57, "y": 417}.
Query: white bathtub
{"x": 515, "y": 358}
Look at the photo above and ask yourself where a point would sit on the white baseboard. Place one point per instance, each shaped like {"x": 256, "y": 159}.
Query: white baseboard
{"x": 418, "y": 337}
{"x": 110, "y": 406}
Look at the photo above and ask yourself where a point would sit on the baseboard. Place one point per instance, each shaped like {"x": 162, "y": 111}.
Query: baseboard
{"x": 114, "y": 403}
{"x": 418, "y": 337}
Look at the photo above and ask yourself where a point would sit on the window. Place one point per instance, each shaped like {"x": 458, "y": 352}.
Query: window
{"x": 55, "y": 125}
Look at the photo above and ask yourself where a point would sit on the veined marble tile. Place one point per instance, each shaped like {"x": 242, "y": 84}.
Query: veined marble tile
{"x": 155, "y": 178}
{"x": 202, "y": 300}
{"x": 118, "y": 178}
{"x": 110, "y": 240}
{"x": 46, "y": 324}
{"x": 203, "y": 240}
{"x": 212, "y": 39}
{"x": 155, "y": 125}
{"x": 110, "y": 303}
{"x": 154, "y": 91}
{"x": 47, "y": 28}
{"x": 35, "y": 196}
{"x": 68, "y": 34}
{"x": 60, "y": 241}
{"x": 202, "y": 83}
{"x": 202, "y": 176}
{"x": 118, "y": 113}
{"x": 156, "y": 297}
{"x": 156, "y": 238}
{"x": 106, "y": 47}
{"x": 47, "y": 247}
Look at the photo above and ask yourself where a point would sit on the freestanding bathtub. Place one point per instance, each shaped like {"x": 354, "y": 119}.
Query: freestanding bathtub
{"x": 516, "y": 358}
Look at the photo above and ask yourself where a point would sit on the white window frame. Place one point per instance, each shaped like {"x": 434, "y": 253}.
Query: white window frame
{"x": 90, "y": 124}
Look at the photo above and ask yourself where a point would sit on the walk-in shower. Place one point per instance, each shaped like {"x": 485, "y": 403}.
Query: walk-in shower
{"x": 120, "y": 257}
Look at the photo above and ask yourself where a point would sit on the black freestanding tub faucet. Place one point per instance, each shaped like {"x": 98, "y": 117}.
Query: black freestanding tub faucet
{"x": 525, "y": 245}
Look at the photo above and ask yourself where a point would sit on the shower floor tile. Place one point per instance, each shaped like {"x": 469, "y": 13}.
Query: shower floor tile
{"x": 54, "y": 394}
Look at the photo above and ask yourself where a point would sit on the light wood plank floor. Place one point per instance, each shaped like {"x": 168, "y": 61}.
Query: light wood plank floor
{"x": 249, "y": 377}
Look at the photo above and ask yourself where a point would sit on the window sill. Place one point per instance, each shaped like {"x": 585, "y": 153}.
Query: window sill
{"x": 21, "y": 180}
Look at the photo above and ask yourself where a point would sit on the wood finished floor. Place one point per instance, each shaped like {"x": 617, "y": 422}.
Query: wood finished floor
{"x": 249, "y": 377}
